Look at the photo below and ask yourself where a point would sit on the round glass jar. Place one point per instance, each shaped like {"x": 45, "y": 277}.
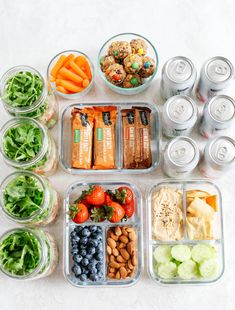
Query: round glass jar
{"x": 24, "y": 93}
{"x": 37, "y": 254}
{"x": 26, "y": 144}
{"x": 28, "y": 199}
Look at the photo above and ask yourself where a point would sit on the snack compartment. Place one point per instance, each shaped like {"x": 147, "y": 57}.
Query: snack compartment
{"x": 133, "y": 222}
{"x": 198, "y": 257}
{"x": 66, "y": 139}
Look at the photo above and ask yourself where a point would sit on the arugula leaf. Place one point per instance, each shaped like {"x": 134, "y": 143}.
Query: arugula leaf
{"x": 20, "y": 253}
{"x": 23, "y": 196}
{"x": 23, "y": 89}
{"x": 22, "y": 142}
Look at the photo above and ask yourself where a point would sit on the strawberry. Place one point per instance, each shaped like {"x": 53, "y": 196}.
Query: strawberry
{"x": 118, "y": 212}
{"x": 113, "y": 212}
{"x": 79, "y": 213}
{"x": 99, "y": 213}
{"x": 124, "y": 195}
{"x": 129, "y": 208}
{"x": 95, "y": 195}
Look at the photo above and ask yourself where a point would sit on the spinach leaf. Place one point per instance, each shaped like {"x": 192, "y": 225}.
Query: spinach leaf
{"x": 23, "y": 89}
{"x": 20, "y": 253}
{"x": 23, "y": 196}
{"x": 22, "y": 142}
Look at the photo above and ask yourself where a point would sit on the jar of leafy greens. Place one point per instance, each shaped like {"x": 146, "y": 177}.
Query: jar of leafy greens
{"x": 29, "y": 199}
{"x": 24, "y": 93}
{"x": 27, "y": 144}
{"x": 27, "y": 254}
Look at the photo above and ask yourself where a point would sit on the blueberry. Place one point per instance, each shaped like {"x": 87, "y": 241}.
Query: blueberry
{"x": 91, "y": 266}
{"x": 99, "y": 249}
{"x": 76, "y": 239}
{"x": 100, "y": 275}
{"x": 73, "y": 234}
{"x": 99, "y": 266}
{"x": 99, "y": 229}
{"x": 93, "y": 277}
{"x": 83, "y": 277}
{"x": 93, "y": 261}
{"x": 82, "y": 246}
{"x": 93, "y": 228}
{"x": 99, "y": 256}
{"x": 78, "y": 229}
{"x": 89, "y": 256}
{"x": 93, "y": 243}
{"x": 74, "y": 251}
{"x": 83, "y": 240}
{"x": 85, "y": 232}
{"x": 91, "y": 250}
{"x": 77, "y": 258}
{"x": 83, "y": 252}
{"x": 85, "y": 261}
{"x": 76, "y": 270}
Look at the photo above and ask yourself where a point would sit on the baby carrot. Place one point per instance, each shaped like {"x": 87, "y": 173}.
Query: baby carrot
{"x": 70, "y": 75}
{"x": 80, "y": 60}
{"x": 69, "y": 86}
{"x": 77, "y": 69}
{"x": 58, "y": 65}
{"x": 88, "y": 70}
{"x": 85, "y": 83}
{"x": 52, "y": 79}
{"x": 69, "y": 57}
{"x": 61, "y": 89}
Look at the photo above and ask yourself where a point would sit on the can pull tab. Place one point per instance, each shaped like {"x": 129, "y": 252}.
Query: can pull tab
{"x": 180, "y": 67}
{"x": 220, "y": 110}
{"x": 179, "y": 152}
{"x": 179, "y": 110}
{"x": 221, "y": 70}
{"x": 222, "y": 153}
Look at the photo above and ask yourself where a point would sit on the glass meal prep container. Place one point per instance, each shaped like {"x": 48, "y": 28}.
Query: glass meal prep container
{"x": 103, "y": 231}
{"x": 24, "y": 93}
{"x": 27, "y": 254}
{"x": 185, "y": 232}
{"x": 66, "y": 138}
{"x": 26, "y": 144}
{"x": 29, "y": 199}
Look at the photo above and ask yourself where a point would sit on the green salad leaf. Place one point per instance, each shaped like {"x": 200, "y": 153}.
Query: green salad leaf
{"x": 22, "y": 142}
{"x": 23, "y": 196}
{"x": 20, "y": 253}
{"x": 23, "y": 89}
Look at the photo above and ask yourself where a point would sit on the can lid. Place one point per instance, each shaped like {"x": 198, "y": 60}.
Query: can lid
{"x": 222, "y": 150}
{"x": 182, "y": 151}
{"x": 179, "y": 69}
{"x": 222, "y": 108}
{"x": 180, "y": 108}
{"x": 219, "y": 69}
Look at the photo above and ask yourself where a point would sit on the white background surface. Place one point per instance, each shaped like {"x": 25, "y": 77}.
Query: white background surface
{"x": 31, "y": 33}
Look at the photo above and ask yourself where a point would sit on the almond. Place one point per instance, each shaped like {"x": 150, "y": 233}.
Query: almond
{"x": 130, "y": 229}
{"x": 111, "y": 275}
{"x": 111, "y": 258}
{"x": 120, "y": 259}
{"x": 109, "y": 250}
{"x": 113, "y": 236}
{"x": 134, "y": 260}
{"x": 132, "y": 236}
{"x": 111, "y": 243}
{"x": 129, "y": 263}
{"x": 124, "y": 232}
{"x": 131, "y": 247}
{"x": 114, "y": 265}
{"x": 115, "y": 252}
{"x": 118, "y": 231}
{"x": 118, "y": 275}
{"x": 124, "y": 239}
{"x": 123, "y": 272}
{"x": 125, "y": 254}
{"x": 112, "y": 270}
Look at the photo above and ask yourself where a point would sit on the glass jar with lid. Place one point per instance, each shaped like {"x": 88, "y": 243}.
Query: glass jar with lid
{"x": 24, "y": 93}
{"x": 29, "y": 199}
{"x": 27, "y": 254}
{"x": 26, "y": 144}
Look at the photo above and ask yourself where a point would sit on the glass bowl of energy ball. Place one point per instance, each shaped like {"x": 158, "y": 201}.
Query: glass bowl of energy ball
{"x": 127, "y": 63}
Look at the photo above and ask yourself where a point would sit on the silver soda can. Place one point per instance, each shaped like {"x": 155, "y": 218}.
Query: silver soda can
{"x": 179, "y": 116}
{"x": 178, "y": 77}
{"x": 181, "y": 156}
{"x": 216, "y": 75}
{"x": 218, "y": 115}
{"x": 218, "y": 157}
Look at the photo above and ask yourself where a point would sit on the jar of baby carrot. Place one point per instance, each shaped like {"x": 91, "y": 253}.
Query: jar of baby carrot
{"x": 24, "y": 93}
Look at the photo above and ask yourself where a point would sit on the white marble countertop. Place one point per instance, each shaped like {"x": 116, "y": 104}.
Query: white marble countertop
{"x": 31, "y": 33}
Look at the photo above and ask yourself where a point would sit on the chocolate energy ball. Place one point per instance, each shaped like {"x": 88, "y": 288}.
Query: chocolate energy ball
{"x": 133, "y": 63}
{"x": 148, "y": 68}
{"x": 106, "y": 62}
{"x": 132, "y": 80}
{"x": 119, "y": 49}
{"x": 139, "y": 46}
{"x": 115, "y": 74}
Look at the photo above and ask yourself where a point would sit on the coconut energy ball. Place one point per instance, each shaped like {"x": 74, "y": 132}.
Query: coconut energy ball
{"x": 132, "y": 80}
{"x": 148, "y": 68}
{"x": 133, "y": 63}
{"x": 115, "y": 74}
{"x": 139, "y": 46}
{"x": 119, "y": 49}
{"x": 106, "y": 62}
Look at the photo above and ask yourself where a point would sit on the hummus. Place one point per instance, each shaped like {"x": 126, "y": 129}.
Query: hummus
{"x": 167, "y": 214}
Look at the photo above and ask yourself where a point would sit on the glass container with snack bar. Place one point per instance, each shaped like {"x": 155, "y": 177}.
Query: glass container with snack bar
{"x": 126, "y": 137}
{"x": 103, "y": 234}
{"x": 185, "y": 232}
